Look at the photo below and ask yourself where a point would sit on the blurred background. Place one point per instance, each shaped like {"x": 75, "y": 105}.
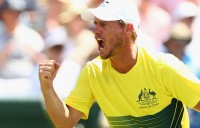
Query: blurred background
{"x": 34, "y": 30}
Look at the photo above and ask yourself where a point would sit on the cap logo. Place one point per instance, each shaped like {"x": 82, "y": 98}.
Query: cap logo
{"x": 104, "y": 3}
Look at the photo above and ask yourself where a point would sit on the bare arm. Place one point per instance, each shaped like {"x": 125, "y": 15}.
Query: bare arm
{"x": 197, "y": 107}
{"x": 62, "y": 116}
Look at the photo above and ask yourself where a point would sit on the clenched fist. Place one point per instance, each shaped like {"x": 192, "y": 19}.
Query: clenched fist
{"x": 47, "y": 72}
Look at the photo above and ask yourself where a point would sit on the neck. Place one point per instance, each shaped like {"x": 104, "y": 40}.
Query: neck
{"x": 124, "y": 62}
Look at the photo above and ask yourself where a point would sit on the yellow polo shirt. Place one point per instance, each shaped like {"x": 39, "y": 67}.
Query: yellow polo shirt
{"x": 153, "y": 94}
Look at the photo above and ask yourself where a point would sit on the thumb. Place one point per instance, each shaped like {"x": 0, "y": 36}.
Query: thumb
{"x": 57, "y": 66}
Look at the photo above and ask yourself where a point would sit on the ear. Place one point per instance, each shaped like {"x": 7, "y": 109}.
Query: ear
{"x": 129, "y": 28}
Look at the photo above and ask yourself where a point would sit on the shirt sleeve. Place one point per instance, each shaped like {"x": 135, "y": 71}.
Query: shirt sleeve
{"x": 179, "y": 81}
{"x": 81, "y": 97}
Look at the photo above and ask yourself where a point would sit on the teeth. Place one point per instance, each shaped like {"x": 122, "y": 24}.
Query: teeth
{"x": 100, "y": 48}
{"x": 100, "y": 42}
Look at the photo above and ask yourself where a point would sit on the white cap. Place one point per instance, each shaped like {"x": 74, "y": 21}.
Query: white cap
{"x": 112, "y": 10}
{"x": 184, "y": 10}
{"x": 55, "y": 36}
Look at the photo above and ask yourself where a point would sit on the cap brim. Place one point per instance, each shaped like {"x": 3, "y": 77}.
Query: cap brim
{"x": 100, "y": 13}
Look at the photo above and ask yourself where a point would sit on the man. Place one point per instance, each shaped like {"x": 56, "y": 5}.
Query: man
{"x": 133, "y": 87}
{"x": 20, "y": 51}
{"x": 180, "y": 37}
{"x": 176, "y": 44}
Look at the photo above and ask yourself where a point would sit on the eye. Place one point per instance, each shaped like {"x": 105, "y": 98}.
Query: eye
{"x": 105, "y": 25}
{"x": 95, "y": 23}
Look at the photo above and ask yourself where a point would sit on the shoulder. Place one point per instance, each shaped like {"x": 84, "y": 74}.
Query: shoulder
{"x": 156, "y": 56}
{"x": 97, "y": 64}
{"x": 160, "y": 60}
{"x": 98, "y": 61}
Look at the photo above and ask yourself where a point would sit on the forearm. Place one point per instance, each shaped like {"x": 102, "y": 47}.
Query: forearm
{"x": 56, "y": 109}
{"x": 61, "y": 115}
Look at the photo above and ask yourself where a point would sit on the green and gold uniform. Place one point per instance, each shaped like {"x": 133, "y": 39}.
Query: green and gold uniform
{"x": 153, "y": 94}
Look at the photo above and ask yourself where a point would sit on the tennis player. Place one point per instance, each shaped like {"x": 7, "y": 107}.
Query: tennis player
{"x": 134, "y": 88}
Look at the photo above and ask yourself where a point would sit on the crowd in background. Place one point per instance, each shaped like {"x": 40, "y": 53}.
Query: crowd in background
{"x": 34, "y": 30}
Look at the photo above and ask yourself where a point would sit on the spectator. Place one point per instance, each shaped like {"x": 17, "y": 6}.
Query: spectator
{"x": 55, "y": 40}
{"x": 180, "y": 37}
{"x": 80, "y": 37}
{"x": 167, "y": 5}
{"x": 155, "y": 21}
{"x": 192, "y": 49}
{"x": 20, "y": 48}
{"x": 186, "y": 12}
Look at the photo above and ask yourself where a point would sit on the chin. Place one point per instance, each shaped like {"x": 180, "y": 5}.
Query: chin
{"x": 102, "y": 57}
{"x": 105, "y": 56}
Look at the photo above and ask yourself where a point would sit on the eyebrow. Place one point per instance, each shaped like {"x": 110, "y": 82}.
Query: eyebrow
{"x": 95, "y": 22}
{"x": 105, "y": 22}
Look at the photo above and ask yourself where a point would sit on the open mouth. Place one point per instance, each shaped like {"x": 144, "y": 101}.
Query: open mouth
{"x": 101, "y": 44}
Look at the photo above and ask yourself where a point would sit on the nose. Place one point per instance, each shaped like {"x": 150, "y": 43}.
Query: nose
{"x": 96, "y": 29}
